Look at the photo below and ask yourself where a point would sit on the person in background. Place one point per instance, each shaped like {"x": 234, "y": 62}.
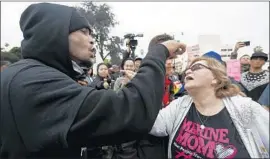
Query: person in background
{"x": 90, "y": 73}
{"x": 176, "y": 70}
{"x": 214, "y": 120}
{"x": 115, "y": 72}
{"x": 126, "y": 55}
{"x": 244, "y": 60}
{"x": 4, "y": 64}
{"x": 123, "y": 80}
{"x": 169, "y": 85}
{"x": 256, "y": 79}
{"x": 182, "y": 91}
{"x": 137, "y": 62}
{"x": 103, "y": 79}
{"x": 234, "y": 81}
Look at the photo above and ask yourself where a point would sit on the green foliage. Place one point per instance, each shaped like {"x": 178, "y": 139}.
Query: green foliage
{"x": 115, "y": 50}
{"x": 102, "y": 19}
{"x": 13, "y": 55}
{"x": 16, "y": 51}
{"x": 6, "y": 56}
{"x": 107, "y": 61}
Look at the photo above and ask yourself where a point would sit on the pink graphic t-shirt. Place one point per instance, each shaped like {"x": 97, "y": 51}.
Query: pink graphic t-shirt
{"x": 217, "y": 139}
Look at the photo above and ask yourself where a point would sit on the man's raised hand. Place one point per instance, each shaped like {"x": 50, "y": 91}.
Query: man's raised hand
{"x": 175, "y": 47}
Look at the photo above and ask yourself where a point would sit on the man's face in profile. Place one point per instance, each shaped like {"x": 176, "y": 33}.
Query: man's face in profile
{"x": 81, "y": 44}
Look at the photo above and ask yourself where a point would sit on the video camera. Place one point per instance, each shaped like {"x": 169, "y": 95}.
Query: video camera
{"x": 132, "y": 41}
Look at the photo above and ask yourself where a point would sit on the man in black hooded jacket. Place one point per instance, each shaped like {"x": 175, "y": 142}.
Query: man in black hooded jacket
{"x": 46, "y": 113}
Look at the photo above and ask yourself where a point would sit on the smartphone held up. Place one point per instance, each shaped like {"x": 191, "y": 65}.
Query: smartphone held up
{"x": 247, "y": 43}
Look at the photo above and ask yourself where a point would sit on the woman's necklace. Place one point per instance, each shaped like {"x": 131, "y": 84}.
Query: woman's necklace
{"x": 202, "y": 122}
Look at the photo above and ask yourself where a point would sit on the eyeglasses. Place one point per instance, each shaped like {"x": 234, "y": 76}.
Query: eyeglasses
{"x": 196, "y": 67}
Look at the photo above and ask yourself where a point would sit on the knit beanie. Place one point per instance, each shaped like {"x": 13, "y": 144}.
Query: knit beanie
{"x": 78, "y": 22}
{"x": 213, "y": 54}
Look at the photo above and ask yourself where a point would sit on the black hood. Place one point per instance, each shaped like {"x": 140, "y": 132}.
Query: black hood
{"x": 45, "y": 28}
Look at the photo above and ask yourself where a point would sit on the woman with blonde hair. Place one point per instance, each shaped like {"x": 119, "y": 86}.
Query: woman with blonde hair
{"x": 214, "y": 120}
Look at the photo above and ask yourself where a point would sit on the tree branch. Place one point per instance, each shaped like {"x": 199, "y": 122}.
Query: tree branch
{"x": 106, "y": 55}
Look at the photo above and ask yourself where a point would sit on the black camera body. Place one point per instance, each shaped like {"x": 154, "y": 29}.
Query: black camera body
{"x": 132, "y": 41}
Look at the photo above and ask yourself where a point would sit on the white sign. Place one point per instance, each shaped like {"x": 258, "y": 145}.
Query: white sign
{"x": 209, "y": 43}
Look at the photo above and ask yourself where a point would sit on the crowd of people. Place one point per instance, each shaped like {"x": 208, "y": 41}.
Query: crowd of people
{"x": 53, "y": 106}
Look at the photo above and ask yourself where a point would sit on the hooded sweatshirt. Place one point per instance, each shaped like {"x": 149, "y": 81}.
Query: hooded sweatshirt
{"x": 46, "y": 113}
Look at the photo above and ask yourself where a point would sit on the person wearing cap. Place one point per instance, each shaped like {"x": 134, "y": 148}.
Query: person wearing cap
{"x": 245, "y": 63}
{"x": 244, "y": 59}
{"x": 256, "y": 79}
{"x": 45, "y": 113}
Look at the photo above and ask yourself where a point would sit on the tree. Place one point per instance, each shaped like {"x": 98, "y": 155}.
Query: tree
{"x": 107, "y": 61}
{"x": 6, "y": 45}
{"x": 102, "y": 20}
{"x": 16, "y": 51}
{"x": 115, "y": 50}
{"x": 13, "y": 55}
{"x": 6, "y": 56}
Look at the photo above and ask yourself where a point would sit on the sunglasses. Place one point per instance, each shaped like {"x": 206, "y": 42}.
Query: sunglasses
{"x": 195, "y": 67}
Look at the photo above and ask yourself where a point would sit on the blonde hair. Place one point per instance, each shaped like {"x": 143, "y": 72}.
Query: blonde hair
{"x": 224, "y": 87}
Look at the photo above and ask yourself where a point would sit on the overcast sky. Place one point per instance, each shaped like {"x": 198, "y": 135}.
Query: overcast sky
{"x": 233, "y": 21}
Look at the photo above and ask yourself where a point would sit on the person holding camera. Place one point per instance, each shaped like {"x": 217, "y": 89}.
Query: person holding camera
{"x": 244, "y": 59}
{"x": 127, "y": 55}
